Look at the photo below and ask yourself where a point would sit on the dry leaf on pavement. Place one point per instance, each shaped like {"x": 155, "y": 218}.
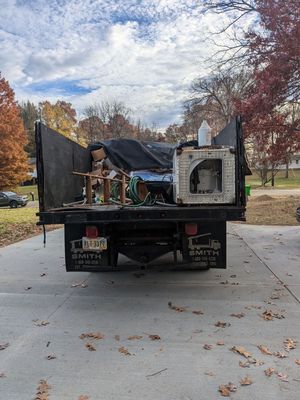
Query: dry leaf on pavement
{"x": 244, "y": 364}
{"x": 221, "y": 324}
{"x": 117, "y": 337}
{"x": 175, "y": 308}
{"x": 246, "y": 381}
{"x": 92, "y": 335}
{"x": 198, "y": 312}
{"x": 209, "y": 373}
{"x": 269, "y": 371}
{"x": 269, "y": 315}
{"x": 265, "y": 350}
{"x": 134, "y": 337}
{"x": 279, "y": 354}
{"x": 154, "y": 337}
{"x": 2, "y": 375}
{"x": 90, "y": 347}
{"x": 42, "y": 392}
{"x": 41, "y": 323}
{"x": 220, "y": 343}
{"x": 124, "y": 351}
{"x": 289, "y": 344}
{"x": 242, "y": 351}
{"x": 3, "y": 346}
{"x": 224, "y": 391}
{"x": 51, "y": 357}
{"x": 83, "y": 397}
{"x": 207, "y": 346}
{"x": 43, "y": 274}
{"x": 239, "y": 315}
{"x": 283, "y": 377}
{"x": 297, "y": 361}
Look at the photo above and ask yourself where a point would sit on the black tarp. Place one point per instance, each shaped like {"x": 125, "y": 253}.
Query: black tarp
{"x": 134, "y": 155}
{"x": 57, "y": 158}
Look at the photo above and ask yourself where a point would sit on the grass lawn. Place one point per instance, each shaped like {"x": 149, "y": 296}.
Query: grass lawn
{"x": 26, "y": 190}
{"x": 17, "y": 224}
{"x": 293, "y": 182}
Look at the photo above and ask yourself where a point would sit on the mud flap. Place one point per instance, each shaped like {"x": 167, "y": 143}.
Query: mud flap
{"x": 207, "y": 248}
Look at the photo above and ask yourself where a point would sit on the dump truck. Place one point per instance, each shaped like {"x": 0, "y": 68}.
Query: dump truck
{"x": 112, "y": 236}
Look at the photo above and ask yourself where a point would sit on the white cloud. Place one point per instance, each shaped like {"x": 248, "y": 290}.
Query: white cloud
{"x": 145, "y": 53}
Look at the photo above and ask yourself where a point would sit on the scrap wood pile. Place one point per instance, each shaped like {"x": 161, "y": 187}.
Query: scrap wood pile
{"x": 128, "y": 173}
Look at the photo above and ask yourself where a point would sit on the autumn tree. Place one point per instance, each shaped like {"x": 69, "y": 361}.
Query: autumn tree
{"x": 13, "y": 158}
{"x": 271, "y": 49}
{"x": 29, "y": 113}
{"x": 61, "y": 117}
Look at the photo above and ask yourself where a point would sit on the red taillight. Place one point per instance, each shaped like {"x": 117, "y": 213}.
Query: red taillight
{"x": 191, "y": 229}
{"x": 91, "y": 232}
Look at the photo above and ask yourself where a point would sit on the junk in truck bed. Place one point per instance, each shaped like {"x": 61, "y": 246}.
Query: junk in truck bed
{"x": 142, "y": 199}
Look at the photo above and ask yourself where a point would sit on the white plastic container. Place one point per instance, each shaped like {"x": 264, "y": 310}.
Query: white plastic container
{"x": 204, "y": 134}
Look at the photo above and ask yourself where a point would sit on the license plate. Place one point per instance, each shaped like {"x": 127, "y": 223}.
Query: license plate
{"x": 100, "y": 243}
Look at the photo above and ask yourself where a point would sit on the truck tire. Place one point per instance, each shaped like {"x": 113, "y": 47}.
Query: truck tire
{"x": 13, "y": 204}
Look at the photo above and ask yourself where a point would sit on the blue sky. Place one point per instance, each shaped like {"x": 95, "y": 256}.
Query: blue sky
{"x": 142, "y": 52}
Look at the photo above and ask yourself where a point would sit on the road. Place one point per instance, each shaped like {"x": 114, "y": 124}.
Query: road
{"x": 263, "y": 274}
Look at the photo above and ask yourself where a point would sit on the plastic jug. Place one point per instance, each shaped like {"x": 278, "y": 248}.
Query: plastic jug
{"x": 204, "y": 134}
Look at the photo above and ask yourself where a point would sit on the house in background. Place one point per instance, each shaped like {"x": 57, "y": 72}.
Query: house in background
{"x": 293, "y": 164}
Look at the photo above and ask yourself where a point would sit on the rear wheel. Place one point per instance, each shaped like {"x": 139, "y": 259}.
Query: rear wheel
{"x": 13, "y": 204}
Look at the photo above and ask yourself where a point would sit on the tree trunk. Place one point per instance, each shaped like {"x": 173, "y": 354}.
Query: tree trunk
{"x": 287, "y": 170}
{"x": 272, "y": 177}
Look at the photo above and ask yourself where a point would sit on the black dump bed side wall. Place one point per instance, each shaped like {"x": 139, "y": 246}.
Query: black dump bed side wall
{"x": 57, "y": 158}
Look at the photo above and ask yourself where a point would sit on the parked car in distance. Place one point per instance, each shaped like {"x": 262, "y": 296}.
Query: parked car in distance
{"x": 12, "y": 200}
{"x": 298, "y": 214}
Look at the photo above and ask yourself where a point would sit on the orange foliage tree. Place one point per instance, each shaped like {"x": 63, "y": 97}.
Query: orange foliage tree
{"x": 13, "y": 158}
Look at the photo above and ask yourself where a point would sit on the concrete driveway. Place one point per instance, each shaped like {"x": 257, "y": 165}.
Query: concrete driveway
{"x": 42, "y": 315}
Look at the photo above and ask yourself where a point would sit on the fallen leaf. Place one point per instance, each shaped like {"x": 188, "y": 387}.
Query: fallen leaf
{"x": 75, "y": 284}
{"x": 297, "y": 361}
{"x": 92, "y": 335}
{"x": 50, "y": 356}
{"x": 264, "y": 350}
{"x": 154, "y": 337}
{"x": 240, "y": 315}
{"x": 83, "y": 397}
{"x": 28, "y": 288}
{"x": 41, "y": 323}
{"x": 3, "y": 346}
{"x": 269, "y": 371}
{"x": 90, "y": 347}
{"x": 244, "y": 364}
{"x": 209, "y": 373}
{"x": 207, "y": 346}
{"x": 42, "y": 390}
{"x": 289, "y": 344}
{"x": 279, "y": 354}
{"x": 117, "y": 337}
{"x": 124, "y": 351}
{"x": 231, "y": 387}
{"x": 269, "y": 315}
{"x": 220, "y": 343}
{"x": 175, "y": 308}
{"x": 224, "y": 391}
{"x": 221, "y": 324}
{"x": 283, "y": 377}
{"x": 242, "y": 351}
{"x": 43, "y": 274}
{"x": 134, "y": 337}
{"x": 2, "y": 375}
{"x": 198, "y": 312}
{"x": 256, "y": 362}
{"x": 246, "y": 381}
{"x": 84, "y": 285}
